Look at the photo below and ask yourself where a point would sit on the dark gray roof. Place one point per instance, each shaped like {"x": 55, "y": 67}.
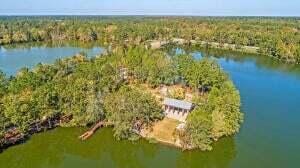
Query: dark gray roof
{"x": 178, "y": 103}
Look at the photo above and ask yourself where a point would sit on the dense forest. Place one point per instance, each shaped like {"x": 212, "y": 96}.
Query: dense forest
{"x": 88, "y": 90}
{"x": 276, "y": 37}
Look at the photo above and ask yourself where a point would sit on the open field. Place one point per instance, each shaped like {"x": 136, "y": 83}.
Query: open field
{"x": 163, "y": 130}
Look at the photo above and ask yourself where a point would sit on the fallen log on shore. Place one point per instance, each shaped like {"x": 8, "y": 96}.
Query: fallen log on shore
{"x": 90, "y": 132}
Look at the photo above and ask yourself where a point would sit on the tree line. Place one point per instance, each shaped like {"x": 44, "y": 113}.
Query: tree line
{"x": 276, "y": 37}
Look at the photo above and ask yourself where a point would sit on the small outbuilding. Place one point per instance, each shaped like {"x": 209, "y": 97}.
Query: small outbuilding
{"x": 123, "y": 73}
{"x": 177, "y": 109}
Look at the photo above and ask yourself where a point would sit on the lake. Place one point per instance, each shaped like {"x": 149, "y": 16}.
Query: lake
{"x": 269, "y": 137}
{"x": 12, "y": 58}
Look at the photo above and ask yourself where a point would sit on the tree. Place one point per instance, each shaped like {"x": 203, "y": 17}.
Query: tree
{"x": 203, "y": 74}
{"x": 19, "y": 37}
{"x": 197, "y": 132}
{"x": 130, "y": 110}
{"x": 3, "y": 90}
{"x": 25, "y": 79}
{"x": 3, "y": 123}
{"x": 224, "y": 104}
{"x": 3, "y": 84}
{"x": 46, "y": 100}
{"x": 177, "y": 93}
{"x": 20, "y": 109}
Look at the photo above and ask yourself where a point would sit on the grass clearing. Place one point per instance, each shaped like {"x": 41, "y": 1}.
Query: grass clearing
{"x": 163, "y": 130}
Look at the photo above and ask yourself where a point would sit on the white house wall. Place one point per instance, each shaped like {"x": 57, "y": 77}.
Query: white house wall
{"x": 177, "y": 115}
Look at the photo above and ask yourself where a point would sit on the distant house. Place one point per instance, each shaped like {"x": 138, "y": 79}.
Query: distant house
{"x": 177, "y": 109}
{"x": 155, "y": 44}
{"x": 179, "y": 41}
{"x": 123, "y": 73}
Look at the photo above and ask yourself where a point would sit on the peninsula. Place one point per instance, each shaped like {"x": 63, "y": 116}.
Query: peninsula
{"x": 137, "y": 91}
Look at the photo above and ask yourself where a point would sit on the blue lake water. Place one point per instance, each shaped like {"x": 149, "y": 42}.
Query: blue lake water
{"x": 12, "y": 59}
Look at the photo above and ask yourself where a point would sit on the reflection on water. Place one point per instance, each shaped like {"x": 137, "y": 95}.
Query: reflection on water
{"x": 221, "y": 156}
{"x": 259, "y": 61}
{"x": 61, "y": 148}
{"x": 14, "y": 57}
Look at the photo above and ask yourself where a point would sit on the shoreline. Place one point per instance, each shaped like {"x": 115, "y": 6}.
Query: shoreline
{"x": 14, "y": 137}
{"x": 162, "y": 43}
{"x": 215, "y": 45}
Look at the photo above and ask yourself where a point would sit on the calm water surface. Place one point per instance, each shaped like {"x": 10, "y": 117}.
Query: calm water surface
{"x": 269, "y": 137}
{"x": 14, "y": 58}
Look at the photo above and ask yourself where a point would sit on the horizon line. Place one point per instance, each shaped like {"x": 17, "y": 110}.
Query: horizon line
{"x": 173, "y": 15}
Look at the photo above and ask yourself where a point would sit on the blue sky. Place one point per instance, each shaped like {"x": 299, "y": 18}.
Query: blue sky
{"x": 153, "y": 7}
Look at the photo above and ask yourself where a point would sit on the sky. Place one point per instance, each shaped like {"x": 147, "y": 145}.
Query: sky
{"x": 152, "y": 7}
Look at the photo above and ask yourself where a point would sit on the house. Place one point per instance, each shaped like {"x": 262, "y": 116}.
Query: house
{"x": 123, "y": 73}
{"x": 179, "y": 41}
{"x": 156, "y": 44}
{"x": 177, "y": 109}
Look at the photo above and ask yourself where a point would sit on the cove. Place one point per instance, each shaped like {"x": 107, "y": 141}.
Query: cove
{"x": 270, "y": 94}
{"x": 14, "y": 57}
